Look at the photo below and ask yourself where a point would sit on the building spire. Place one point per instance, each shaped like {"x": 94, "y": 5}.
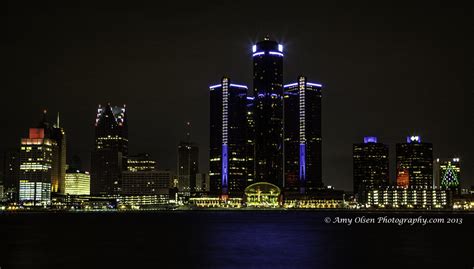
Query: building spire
{"x": 57, "y": 121}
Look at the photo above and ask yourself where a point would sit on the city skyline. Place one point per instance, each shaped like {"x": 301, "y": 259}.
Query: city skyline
{"x": 149, "y": 105}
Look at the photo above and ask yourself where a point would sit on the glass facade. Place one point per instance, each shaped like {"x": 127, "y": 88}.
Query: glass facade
{"x": 36, "y": 169}
{"x": 268, "y": 111}
{"x": 416, "y": 157}
{"x": 229, "y": 144}
{"x": 370, "y": 165}
{"x": 302, "y": 136}
{"x": 109, "y": 156}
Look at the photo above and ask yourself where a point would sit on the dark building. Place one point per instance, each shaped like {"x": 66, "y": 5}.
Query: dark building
{"x": 370, "y": 165}
{"x": 188, "y": 166}
{"x": 416, "y": 158}
{"x": 109, "y": 156}
{"x": 141, "y": 162}
{"x": 268, "y": 111}
{"x": 11, "y": 170}
{"x": 151, "y": 182}
{"x": 228, "y": 138}
{"x": 302, "y": 136}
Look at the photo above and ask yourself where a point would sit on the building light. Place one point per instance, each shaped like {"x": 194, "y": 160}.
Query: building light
{"x": 314, "y": 84}
{"x": 276, "y": 53}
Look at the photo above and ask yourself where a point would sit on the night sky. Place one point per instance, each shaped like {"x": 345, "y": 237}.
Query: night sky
{"x": 387, "y": 71}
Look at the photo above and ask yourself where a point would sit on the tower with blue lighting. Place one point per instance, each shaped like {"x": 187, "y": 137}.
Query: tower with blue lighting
{"x": 302, "y": 136}
{"x": 268, "y": 111}
{"x": 228, "y": 140}
{"x": 370, "y": 165}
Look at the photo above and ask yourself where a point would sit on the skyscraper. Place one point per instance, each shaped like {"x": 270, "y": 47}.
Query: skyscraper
{"x": 188, "y": 164}
{"x": 37, "y": 157}
{"x": 228, "y": 142}
{"x": 56, "y": 133}
{"x": 416, "y": 158}
{"x": 109, "y": 156}
{"x": 268, "y": 111}
{"x": 370, "y": 165}
{"x": 447, "y": 173}
{"x": 302, "y": 136}
{"x": 11, "y": 170}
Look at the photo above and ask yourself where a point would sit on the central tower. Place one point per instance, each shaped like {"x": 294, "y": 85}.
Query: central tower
{"x": 268, "y": 111}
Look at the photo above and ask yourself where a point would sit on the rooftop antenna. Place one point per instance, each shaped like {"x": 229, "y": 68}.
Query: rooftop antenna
{"x": 188, "y": 131}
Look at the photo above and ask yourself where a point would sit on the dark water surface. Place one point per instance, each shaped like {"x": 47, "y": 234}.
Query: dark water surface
{"x": 230, "y": 239}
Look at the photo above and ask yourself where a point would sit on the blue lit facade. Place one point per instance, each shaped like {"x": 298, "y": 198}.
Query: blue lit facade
{"x": 302, "y": 136}
{"x": 268, "y": 111}
{"x": 228, "y": 142}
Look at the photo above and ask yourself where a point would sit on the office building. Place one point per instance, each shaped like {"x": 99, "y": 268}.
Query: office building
{"x": 141, "y": 183}
{"x": 109, "y": 156}
{"x": 370, "y": 165}
{"x": 37, "y": 155}
{"x": 188, "y": 166}
{"x": 228, "y": 142}
{"x": 447, "y": 173}
{"x": 302, "y": 136}
{"x": 141, "y": 162}
{"x": 268, "y": 111}
{"x": 77, "y": 182}
{"x": 416, "y": 158}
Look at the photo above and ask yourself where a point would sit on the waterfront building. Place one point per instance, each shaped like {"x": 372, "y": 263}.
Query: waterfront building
{"x": 109, "y": 156}
{"x": 37, "y": 157}
{"x": 77, "y": 182}
{"x": 370, "y": 165}
{"x": 302, "y": 136}
{"x": 416, "y": 158}
{"x": 228, "y": 142}
{"x": 268, "y": 111}
{"x": 415, "y": 197}
{"x": 141, "y": 183}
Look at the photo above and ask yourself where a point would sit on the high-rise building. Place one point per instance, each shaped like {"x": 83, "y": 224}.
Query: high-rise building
{"x": 302, "y": 136}
{"x": 56, "y": 133}
{"x": 77, "y": 182}
{"x": 268, "y": 111}
{"x": 109, "y": 156}
{"x": 37, "y": 155}
{"x": 370, "y": 165}
{"x": 11, "y": 170}
{"x": 416, "y": 158}
{"x": 42, "y": 162}
{"x": 228, "y": 141}
{"x": 141, "y": 162}
{"x": 188, "y": 166}
{"x": 447, "y": 173}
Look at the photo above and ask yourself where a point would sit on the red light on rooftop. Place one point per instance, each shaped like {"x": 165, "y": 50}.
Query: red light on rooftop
{"x": 36, "y": 133}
